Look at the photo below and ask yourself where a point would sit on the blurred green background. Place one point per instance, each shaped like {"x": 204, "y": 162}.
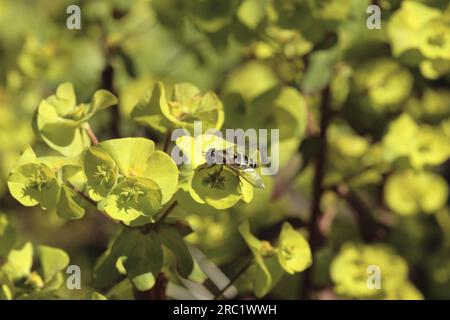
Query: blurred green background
{"x": 385, "y": 199}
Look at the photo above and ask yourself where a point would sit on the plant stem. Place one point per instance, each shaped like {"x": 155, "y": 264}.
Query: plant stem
{"x": 311, "y": 127}
{"x": 165, "y": 214}
{"x": 81, "y": 194}
{"x": 319, "y": 174}
{"x": 91, "y": 134}
{"x": 108, "y": 84}
{"x": 234, "y": 279}
{"x": 371, "y": 230}
{"x": 107, "y": 81}
{"x": 88, "y": 199}
{"x": 167, "y": 139}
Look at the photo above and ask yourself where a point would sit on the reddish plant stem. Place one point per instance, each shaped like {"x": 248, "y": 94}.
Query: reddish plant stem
{"x": 318, "y": 189}
{"x": 91, "y": 135}
{"x": 80, "y": 193}
{"x": 311, "y": 127}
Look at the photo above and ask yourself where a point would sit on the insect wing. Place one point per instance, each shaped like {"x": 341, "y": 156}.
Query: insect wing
{"x": 249, "y": 175}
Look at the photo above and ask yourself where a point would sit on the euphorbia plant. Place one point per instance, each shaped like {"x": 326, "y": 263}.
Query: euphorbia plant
{"x": 363, "y": 122}
{"x": 133, "y": 183}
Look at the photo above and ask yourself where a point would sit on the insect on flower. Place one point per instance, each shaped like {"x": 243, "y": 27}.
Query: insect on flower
{"x": 238, "y": 163}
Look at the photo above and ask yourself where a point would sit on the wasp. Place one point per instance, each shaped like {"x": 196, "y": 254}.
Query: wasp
{"x": 238, "y": 163}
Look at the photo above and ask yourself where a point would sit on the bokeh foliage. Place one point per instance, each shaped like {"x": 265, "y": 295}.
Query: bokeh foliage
{"x": 369, "y": 108}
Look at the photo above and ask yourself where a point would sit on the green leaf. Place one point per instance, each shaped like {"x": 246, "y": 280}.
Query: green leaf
{"x": 8, "y": 236}
{"x": 53, "y": 284}
{"x": 212, "y": 15}
{"x": 34, "y": 183}
{"x": 59, "y": 120}
{"x": 406, "y": 23}
{"x": 162, "y": 169}
{"x": 66, "y": 92}
{"x": 52, "y": 260}
{"x": 251, "y": 79}
{"x": 171, "y": 238}
{"x": 130, "y": 154}
{"x": 137, "y": 158}
{"x": 262, "y": 282}
{"x": 386, "y": 81}
{"x": 219, "y": 189}
{"x": 184, "y": 93}
{"x": 188, "y": 105}
{"x": 19, "y": 262}
{"x": 268, "y": 274}
{"x": 136, "y": 255}
{"x": 96, "y": 296}
{"x": 61, "y": 134}
{"x": 434, "y": 104}
{"x": 148, "y": 110}
{"x": 320, "y": 70}
{"x": 404, "y": 291}
{"x": 433, "y": 69}
{"x": 252, "y": 12}
{"x": 430, "y": 147}
{"x": 27, "y": 156}
{"x": 294, "y": 253}
{"x": 349, "y": 270}
{"x": 103, "y": 99}
{"x": 248, "y": 191}
{"x": 348, "y": 143}
{"x": 286, "y": 109}
{"x": 258, "y": 247}
{"x": 132, "y": 198}
{"x": 70, "y": 166}
{"x": 143, "y": 281}
{"x": 435, "y": 40}
{"x": 101, "y": 172}
{"x": 5, "y": 292}
{"x": 334, "y": 10}
{"x": 144, "y": 260}
{"x": 34, "y": 280}
{"x": 423, "y": 145}
{"x": 197, "y": 274}
{"x": 70, "y": 204}
{"x": 268, "y": 269}
{"x": 408, "y": 193}
{"x": 105, "y": 271}
{"x": 397, "y": 141}
{"x": 120, "y": 265}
